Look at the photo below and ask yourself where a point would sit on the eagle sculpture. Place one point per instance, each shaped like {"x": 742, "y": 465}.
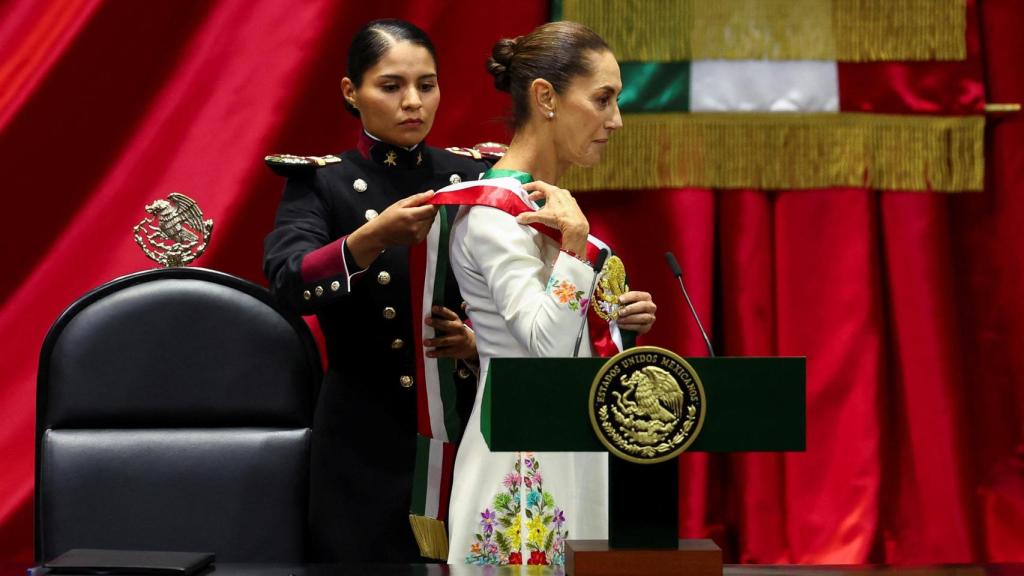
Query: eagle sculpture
{"x": 171, "y": 216}
{"x": 175, "y": 233}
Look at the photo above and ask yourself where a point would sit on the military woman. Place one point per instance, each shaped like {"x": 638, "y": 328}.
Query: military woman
{"x": 340, "y": 249}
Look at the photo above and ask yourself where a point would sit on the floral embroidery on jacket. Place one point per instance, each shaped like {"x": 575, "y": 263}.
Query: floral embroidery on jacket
{"x": 566, "y": 293}
{"x": 500, "y": 539}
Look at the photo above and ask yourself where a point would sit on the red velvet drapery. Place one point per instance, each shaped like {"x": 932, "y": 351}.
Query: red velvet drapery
{"x": 906, "y": 304}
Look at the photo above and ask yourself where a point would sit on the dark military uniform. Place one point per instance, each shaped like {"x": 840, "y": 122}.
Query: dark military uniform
{"x": 364, "y": 438}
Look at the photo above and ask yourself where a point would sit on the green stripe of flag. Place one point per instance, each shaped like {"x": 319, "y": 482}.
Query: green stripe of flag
{"x": 648, "y": 86}
{"x": 655, "y": 87}
{"x": 445, "y": 366}
{"x": 419, "y": 480}
{"x": 556, "y": 10}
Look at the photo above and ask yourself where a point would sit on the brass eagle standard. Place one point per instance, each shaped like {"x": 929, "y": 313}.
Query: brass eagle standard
{"x": 175, "y": 233}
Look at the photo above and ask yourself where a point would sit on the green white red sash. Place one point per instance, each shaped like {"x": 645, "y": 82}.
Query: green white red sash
{"x": 438, "y": 425}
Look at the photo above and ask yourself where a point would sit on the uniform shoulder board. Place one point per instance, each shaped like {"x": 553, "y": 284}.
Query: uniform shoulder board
{"x": 492, "y": 150}
{"x": 474, "y": 154}
{"x": 291, "y": 165}
{"x": 484, "y": 151}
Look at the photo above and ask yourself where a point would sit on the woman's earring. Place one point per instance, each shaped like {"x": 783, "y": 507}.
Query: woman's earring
{"x": 551, "y": 114}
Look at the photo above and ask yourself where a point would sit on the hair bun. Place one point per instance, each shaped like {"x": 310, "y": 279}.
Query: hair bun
{"x": 500, "y": 62}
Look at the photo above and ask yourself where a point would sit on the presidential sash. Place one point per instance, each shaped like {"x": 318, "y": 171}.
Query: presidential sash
{"x": 438, "y": 424}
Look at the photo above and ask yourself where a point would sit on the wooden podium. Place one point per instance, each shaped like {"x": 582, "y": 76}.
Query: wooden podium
{"x": 753, "y": 405}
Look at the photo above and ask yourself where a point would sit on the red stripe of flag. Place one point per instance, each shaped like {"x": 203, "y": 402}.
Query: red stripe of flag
{"x": 447, "y": 468}
{"x": 417, "y": 275}
{"x": 495, "y": 197}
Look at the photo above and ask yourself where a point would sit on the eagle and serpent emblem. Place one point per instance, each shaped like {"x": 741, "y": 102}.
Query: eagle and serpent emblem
{"x": 174, "y": 233}
{"x": 647, "y": 405}
{"x": 610, "y": 286}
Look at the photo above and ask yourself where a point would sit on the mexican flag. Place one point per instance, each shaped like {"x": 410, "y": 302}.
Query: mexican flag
{"x": 791, "y": 94}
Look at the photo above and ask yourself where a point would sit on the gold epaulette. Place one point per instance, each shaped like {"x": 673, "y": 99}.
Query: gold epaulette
{"x": 483, "y": 151}
{"x": 492, "y": 150}
{"x": 291, "y": 165}
{"x": 475, "y": 155}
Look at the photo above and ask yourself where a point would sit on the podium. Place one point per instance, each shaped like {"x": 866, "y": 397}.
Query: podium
{"x": 752, "y": 405}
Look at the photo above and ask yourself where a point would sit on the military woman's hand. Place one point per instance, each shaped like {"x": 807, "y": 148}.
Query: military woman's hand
{"x": 404, "y": 223}
{"x": 452, "y": 339}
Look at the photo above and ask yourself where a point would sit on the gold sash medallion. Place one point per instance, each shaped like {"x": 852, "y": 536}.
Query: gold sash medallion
{"x": 611, "y": 285}
{"x": 647, "y": 405}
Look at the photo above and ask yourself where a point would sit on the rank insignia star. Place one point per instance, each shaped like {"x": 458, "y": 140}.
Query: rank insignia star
{"x": 391, "y": 158}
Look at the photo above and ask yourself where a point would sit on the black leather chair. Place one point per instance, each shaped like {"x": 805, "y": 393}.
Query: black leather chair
{"x": 174, "y": 412}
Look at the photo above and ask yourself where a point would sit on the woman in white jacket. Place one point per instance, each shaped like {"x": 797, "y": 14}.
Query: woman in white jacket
{"x": 519, "y": 249}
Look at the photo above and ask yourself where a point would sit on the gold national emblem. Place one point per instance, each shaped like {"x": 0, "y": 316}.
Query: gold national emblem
{"x": 647, "y": 405}
{"x": 610, "y": 286}
{"x": 175, "y": 233}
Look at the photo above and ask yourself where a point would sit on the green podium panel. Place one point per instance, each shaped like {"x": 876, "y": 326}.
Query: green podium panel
{"x": 753, "y": 404}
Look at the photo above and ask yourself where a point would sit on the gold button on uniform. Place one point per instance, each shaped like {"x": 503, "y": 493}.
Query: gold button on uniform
{"x": 464, "y": 373}
{"x": 307, "y": 295}
{"x": 405, "y": 381}
{"x": 455, "y": 179}
{"x": 370, "y": 214}
{"x": 397, "y": 343}
{"x": 383, "y": 278}
{"x": 319, "y": 290}
{"x": 389, "y": 312}
{"x": 335, "y": 286}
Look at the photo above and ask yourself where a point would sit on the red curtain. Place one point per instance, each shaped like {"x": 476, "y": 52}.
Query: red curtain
{"x": 906, "y": 304}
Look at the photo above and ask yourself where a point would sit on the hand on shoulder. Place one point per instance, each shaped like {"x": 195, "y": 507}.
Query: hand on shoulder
{"x": 561, "y": 212}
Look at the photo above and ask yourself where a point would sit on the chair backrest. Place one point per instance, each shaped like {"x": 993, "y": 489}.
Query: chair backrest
{"x": 174, "y": 412}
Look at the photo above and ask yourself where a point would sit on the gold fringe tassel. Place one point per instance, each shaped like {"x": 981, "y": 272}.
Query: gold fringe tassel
{"x": 783, "y": 151}
{"x": 431, "y": 536}
{"x": 844, "y": 30}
